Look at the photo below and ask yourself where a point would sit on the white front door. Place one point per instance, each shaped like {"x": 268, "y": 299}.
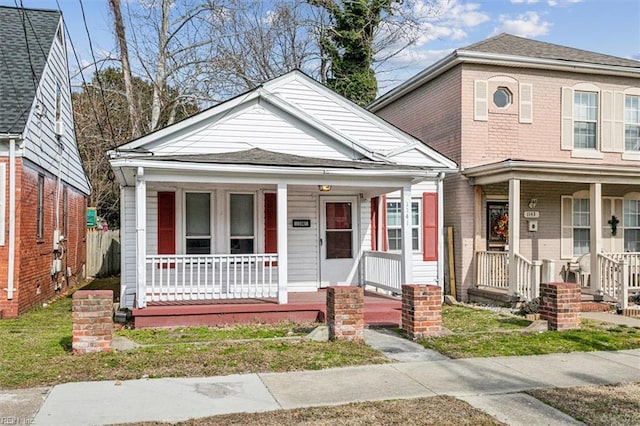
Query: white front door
{"x": 338, "y": 240}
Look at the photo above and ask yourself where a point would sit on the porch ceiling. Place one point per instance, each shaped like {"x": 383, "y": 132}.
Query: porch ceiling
{"x": 552, "y": 172}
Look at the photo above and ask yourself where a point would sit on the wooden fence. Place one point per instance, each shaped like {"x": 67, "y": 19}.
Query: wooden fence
{"x": 103, "y": 252}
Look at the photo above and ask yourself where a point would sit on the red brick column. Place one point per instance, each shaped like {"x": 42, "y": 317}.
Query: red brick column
{"x": 92, "y": 321}
{"x": 345, "y": 313}
{"x": 421, "y": 310}
{"x": 560, "y": 305}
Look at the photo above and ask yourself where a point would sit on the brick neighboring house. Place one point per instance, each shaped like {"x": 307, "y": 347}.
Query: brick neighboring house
{"x": 547, "y": 138}
{"x": 43, "y": 187}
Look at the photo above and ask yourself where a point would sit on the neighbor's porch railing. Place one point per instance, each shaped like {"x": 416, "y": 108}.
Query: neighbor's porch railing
{"x": 492, "y": 270}
{"x": 211, "y": 277}
{"x": 382, "y": 270}
{"x": 619, "y": 274}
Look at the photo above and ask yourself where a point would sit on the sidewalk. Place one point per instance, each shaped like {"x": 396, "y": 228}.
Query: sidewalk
{"x": 488, "y": 383}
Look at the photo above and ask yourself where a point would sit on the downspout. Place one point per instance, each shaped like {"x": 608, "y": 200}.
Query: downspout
{"x": 442, "y": 233}
{"x": 12, "y": 217}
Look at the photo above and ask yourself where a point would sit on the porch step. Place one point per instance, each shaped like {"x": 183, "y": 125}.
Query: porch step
{"x": 589, "y": 306}
{"x": 383, "y": 317}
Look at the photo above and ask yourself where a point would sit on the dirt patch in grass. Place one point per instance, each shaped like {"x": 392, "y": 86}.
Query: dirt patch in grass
{"x": 596, "y": 405}
{"x": 439, "y": 410}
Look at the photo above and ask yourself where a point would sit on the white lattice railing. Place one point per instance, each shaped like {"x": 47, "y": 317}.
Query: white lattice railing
{"x": 492, "y": 269}
{"x": 210, "y": 277}
{"x": 382, "y": 270}
{"x": 619, "y": 274}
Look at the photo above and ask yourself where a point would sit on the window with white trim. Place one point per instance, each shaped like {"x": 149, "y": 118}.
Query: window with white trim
{"x": 242, "y": 223}
{"x": 394, "y": 225}
{"x": 585, "y": 120}
{"x": 632, "y": 123}
{"x": 631, "y": 221}
{"x": 197, "y": 223}
{"x": 576, "y": 225}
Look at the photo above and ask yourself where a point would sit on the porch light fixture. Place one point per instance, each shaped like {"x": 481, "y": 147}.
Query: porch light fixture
{"x": 533, "y": 203}
{"x": 324, "y": 188}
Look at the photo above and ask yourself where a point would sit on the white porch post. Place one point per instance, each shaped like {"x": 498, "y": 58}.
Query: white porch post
{"x": 141, "y": 249}
{"x": 282, "y": 243}
{"x": 514, "y": 234}
{"x": 595, "y": 235}
{"x": 441, "y": 231}
{"x": 407, "y": 246}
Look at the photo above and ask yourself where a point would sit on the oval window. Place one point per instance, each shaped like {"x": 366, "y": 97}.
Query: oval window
{"x": 502, "y": 97}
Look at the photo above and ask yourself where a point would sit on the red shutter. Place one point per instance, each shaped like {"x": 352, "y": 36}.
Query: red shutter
{"x": 383, "y": 224}
{"x": 375, "y": 202}
{"x": 430, "y": 226}
{"x": 270, "y": 225}
{"x": 167, "y": 225}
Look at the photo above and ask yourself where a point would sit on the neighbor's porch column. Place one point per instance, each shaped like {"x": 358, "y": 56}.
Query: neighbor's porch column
{"x": 514, "y": 234}
{"x": 141, "y": 248}
{"x": 595, "y": 234}
{"x": 407, "y": 245}
{"x": 282, "y": 243}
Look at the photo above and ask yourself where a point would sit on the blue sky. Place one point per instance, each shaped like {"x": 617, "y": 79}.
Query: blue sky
{"x": 604, "y": 26}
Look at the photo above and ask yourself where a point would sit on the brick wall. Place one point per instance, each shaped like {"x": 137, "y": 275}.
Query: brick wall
{"x": 33, "y": 282}
{"x": 92, "y": 321}
{"x": 345, "y": 313}
{"x": 421, "y": 310}
{"x": 560, "y": 305}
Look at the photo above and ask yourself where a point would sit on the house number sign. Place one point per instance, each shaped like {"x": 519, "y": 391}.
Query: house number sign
{"x": 531, "y": 214}
{"x": 302, "y": 223}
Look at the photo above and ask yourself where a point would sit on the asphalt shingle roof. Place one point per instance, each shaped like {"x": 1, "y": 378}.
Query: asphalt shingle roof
{"x": 261, "y": 157}
{"x": 26, "y": 36}
{"x": 507, "y": 44}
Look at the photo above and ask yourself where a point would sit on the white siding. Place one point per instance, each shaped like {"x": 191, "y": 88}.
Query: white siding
{"x": 415, "y": 157}
{"x": 128, "y": 241}
{"x": 303, "y": 242}
{"x": 41, "y": 145}
{"x": 339, "y": 116}
{"x": 256, "y": 127}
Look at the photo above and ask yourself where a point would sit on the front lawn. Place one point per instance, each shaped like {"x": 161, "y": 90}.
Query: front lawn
{"x": 482, "y": 333}
{"x": 36, "y": 351}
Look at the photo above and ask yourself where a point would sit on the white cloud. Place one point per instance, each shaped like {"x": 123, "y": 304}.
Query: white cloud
{"x": 525, "y": 1}
{"x": 529, "y": 24}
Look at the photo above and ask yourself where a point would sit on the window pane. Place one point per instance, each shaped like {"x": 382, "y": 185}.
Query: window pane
{"x": 241, "y": 246}
{"x": 393, "y": 213}
{"x": 581, "y": 214}
{"x": 415, "y": 214}
{"x": 339, "y": 244}
{"x": 198, "y": 245}
{"x": 338, "y": 215}
{"x": 584, "y": 134}
{"x": 632, "y": 240}
{"x": 631, "y": 213}
{"x": 241, "y": 213}
{"x": 580, "y": 241}
{"x": 585, "y": 106}
{"x": 395, "y": 238}
{"x": 415, "y": 243}
{"x": 198, "y": 206}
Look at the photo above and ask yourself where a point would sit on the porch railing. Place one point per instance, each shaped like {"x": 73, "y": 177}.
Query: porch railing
{"x": 492, "y": 269}
{"x": 210, "y": 277}
{"x": 619, "y": 274}
{"x": 382, "y": 270}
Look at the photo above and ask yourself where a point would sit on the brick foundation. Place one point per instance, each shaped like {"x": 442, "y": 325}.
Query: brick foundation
{"x": 345, "y": 313}
{"x": 560, "y": 305}
{"x": 421, "y": 310}
{"x": 92, "y": 321}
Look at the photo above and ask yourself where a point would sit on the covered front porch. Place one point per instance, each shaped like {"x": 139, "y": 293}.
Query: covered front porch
{"x": 573, "y": 223}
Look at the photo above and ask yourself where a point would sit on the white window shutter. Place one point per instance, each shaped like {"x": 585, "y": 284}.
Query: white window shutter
{"x": 3, "y": 200}
{"x": 480, "y": 100}
{"x": 566, "y": 219}
{"x": 526, "y": 103}
{"x": 618, "y": 122}
{"x": 566, "y": 135}
{"x": 606, "y": 112}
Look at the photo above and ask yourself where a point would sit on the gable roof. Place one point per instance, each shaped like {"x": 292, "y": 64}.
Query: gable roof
{"x": 304, "y": 110}
{"x": 510, "y": 50}
{"x": 26, "y": 36}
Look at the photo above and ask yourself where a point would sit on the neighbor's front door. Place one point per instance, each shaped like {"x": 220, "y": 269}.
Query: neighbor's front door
{"x": 338, "y": 240}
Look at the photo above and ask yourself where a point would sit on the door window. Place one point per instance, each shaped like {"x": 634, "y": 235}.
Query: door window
{"x": 339, "y": 232}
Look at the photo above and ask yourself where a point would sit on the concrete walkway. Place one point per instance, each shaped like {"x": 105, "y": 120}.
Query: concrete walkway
{"x": 492, "y": 384}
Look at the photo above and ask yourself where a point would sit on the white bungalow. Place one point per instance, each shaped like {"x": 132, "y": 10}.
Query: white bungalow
{"x": 287, "y": 188}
